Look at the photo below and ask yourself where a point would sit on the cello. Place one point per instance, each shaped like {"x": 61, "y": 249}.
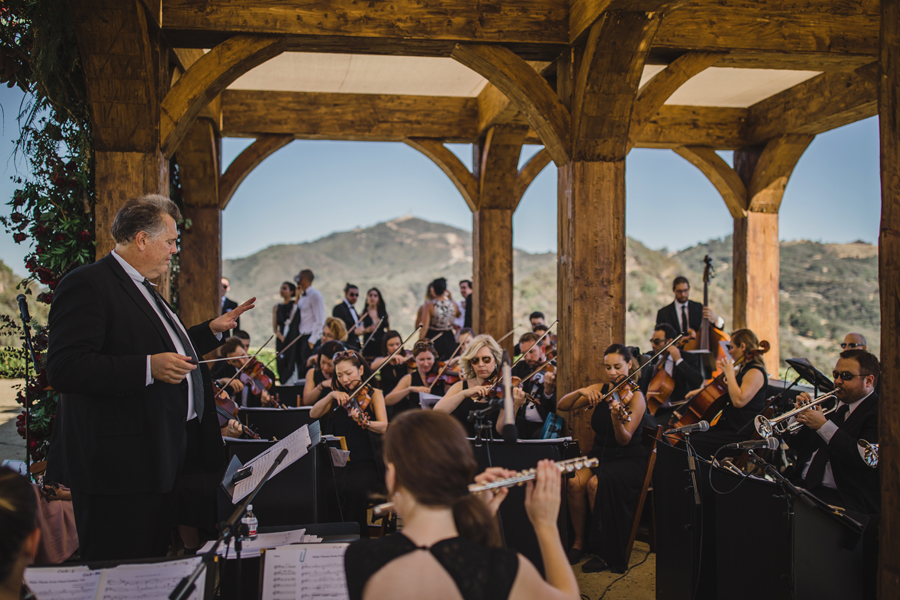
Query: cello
{"x": 712, "y": 397}
{"x": 707, "y": 342}
{"x": 662, "y": 384}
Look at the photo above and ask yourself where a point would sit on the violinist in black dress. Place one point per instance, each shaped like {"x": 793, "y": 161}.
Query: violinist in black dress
{"x": 361, "y": 421}
{"x": 390, "y": 374}
{"x": 449, "y": 548}
{"x": 611, "y": 489}
{"x": 423, "y": 380}
{"x": 376, "y": 323}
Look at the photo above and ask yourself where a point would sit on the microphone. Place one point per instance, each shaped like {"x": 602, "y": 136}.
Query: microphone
{"x": 23, "y": 308}
{"x": 696, "y": 427}
{"x": 766, "y": 444}
{"x": 510, "y": 434}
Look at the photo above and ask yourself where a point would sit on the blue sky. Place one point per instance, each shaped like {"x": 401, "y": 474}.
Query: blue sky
{"x": 312, "y": 188}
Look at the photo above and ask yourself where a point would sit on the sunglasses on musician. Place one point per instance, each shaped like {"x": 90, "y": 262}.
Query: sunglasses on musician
{"x": 343, "y": 355}
{"x": 844, "y": 375}
{"x": 850, "y": 346}
{"x": 482, "y": 359}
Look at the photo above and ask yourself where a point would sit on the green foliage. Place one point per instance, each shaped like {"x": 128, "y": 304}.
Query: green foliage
{"x": 12, "y": 362}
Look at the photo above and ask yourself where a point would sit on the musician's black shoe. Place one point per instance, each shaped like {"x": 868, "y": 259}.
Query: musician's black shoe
{"x": 595, "y": 565}
{"x": 574, "y": 555}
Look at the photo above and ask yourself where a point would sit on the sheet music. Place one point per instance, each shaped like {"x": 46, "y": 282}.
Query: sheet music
{"x": 73, "y": 583}
{"x": 251, "y": 548}
{"x": 305, "y": 573}
{"x": 427, "y": 401}
{"x": 296, "y": 444}
{"x": 149, "y": 581}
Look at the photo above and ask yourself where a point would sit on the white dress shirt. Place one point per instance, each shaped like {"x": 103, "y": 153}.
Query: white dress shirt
{"x": 353, "y": 313}
{"x": 138, "y": 280}
{"x": 312, "y": 314}
{"x": 826, "y": 432}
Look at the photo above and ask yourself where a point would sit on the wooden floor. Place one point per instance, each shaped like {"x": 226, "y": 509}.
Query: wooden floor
{"x": 639, "y": 583}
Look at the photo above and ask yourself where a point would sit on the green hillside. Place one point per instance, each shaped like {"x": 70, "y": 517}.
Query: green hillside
{"x": 401, "y": 256}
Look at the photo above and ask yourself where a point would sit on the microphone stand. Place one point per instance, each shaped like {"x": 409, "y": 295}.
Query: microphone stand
{"x": 26, "y": 328}
{"x": 692, "y": 468}
{"x": 230, "y": 531}
{"x": 478, "y": 416}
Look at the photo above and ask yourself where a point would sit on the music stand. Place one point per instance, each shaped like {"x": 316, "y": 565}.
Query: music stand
{"x": 808, "y": 372}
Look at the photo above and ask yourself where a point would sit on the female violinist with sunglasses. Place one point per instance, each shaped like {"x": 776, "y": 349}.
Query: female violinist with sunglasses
{"x": 361, "y": 422}
{"x": 479, "y": 364}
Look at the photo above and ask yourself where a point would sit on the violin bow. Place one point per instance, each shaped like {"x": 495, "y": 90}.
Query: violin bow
{"x": 437, "y": 336}
{"x": 371, "y": 335}
{"x": 381, "y": 366}
{"x": 446, "y": 366}
{"x": 537, "y": 343}
{"x": 509, "y": 333}
{"x": 297, "y": 339}
{"x": 248, "y": 361}
{"x": 638, "y": 370}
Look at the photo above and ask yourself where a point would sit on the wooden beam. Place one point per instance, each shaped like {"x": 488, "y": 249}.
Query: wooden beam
{"x": 602, "y": 105}
{"x": 246, "y": 161}
{"x": 452, "y": 166}
{"x": 370, "y": 117}
{"x": 528, "y": 91}
{"x": 653, "y": 95}
{"x": 815, "y": 106}
{"x": 528, "y": 172}
{"x": 498, "y": 159}
{"x": 721, "y": 175}
{"x": 820, "y": 27}
{"x": 536, "y": 28}
{"x": 674, "y": 126}
{"x": 771, "y": 173}
{"x": 889, "y": 292}
{"x": 206, "y": 79}
{"x": 494, "y": 108}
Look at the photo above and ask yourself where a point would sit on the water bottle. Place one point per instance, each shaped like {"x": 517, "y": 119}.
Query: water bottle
{"x": 251, "y": 522}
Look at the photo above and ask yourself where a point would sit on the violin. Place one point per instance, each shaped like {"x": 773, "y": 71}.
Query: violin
{"x": 360, "y": 399}
{"x": 620, "y": 408}
{"x": 254, "y": 375}
{"x": 227, "y": 410}
{"x": 443, "y": 375}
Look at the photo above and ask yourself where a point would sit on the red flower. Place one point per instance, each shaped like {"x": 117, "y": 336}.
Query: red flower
{"x": 84, "y": 236}
{"x": 59, "y": 237}
{"x": 40, "y": 231}
{"x": 18, "y": 200}
{"x": 20, "y": 237}
{"x": 39, "y": 250}
{"x": 17, "y": 217}
{"x": 45, "y": 297}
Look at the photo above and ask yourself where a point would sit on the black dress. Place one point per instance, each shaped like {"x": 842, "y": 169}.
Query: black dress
{"x": 462, "y": 412}
{"x": 390, "y": 376}
{"x": 735, "y": 424}
{"x": 363, "y": 474}
{"x": 374, "y": 346}
{"x": 479, "y": 573}
{"x": 286, "y": 361}
{"x": 620, "y": 476}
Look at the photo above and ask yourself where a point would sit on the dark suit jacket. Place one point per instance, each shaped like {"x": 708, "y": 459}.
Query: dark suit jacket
{"x": 113, "y": 433}
{"x": 227, "y": 305}
{"x": 547, "y": 404}
{"x": 857, "y": 483}
{"x": 686, "y": 375}
{"x": 342, "y": 312}
{"x": 467, "y": 318}
{"x": 667, "y": 314}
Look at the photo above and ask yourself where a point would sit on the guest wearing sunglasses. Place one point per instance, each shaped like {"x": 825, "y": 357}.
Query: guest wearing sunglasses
{"x": 747, "y": 386}
{"x": 854, "y": 341}
{"x": 478, "y": 365}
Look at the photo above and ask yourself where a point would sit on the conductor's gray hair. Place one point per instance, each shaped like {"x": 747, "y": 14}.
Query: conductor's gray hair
{"x": 143, "y": 214}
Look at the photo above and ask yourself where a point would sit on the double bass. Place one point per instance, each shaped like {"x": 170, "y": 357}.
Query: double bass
{"x": 707, "y": 341}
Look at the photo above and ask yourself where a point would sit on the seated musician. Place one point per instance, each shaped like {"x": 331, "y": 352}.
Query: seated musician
{"x": 464, "y": 339}
{"x": 253, "y": 393}
{"x": 333, "y": 331}
{"x": 406, "y": 394}
{"x": 530, "y": 416}
{"x": 611, "y": 490}
{"x": 450, "y": 546}
{"x": 391, "y": 374}
{"x": 746, "y": 396}
{"x": 362, "y": 476}
{"x": 319, "y": 377}
{"x": 681, "y": 367}
{"x": 549, "y": 342}
{"x": 479, "y": 366}
{"x": 683, "y": 308}
{"x": 830, "y": 461}
{"x": 21, "y": 535}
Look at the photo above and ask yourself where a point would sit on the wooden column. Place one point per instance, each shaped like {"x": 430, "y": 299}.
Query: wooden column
{"x": 600, "y": 83}
{"x": 496, "y": 168}
{"x": 889, "y": 287}
{"x": 765, "y": 171}
{"x": 201, "y": 246}
{"x": 126, "y": 74}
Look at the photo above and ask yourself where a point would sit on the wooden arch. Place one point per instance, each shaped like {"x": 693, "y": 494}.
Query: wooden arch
{"x": 246, "y": 161}
{"x": 451, "y": 165}
{"x": 529, "y": 172}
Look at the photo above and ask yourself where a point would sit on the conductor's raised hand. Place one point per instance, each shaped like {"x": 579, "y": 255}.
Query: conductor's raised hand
{"x": 228, "y": 321}
{"x": 170, "y": 367}
{"x": 542, "y": 496}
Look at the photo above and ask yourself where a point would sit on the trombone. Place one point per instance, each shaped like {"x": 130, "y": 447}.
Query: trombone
{"x": 780, "y": 425}
{"x": 869, "y": 452}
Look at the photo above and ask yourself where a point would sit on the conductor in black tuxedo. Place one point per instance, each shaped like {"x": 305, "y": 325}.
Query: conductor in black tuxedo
{"x": 135, "y": 410}
{"x": 683, "y": 308}
{"x": 346, "y": 312}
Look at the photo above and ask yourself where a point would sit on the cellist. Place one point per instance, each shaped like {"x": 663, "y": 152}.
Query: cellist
{"x": 747, "y": 385}
{"x": 674, "y": 371}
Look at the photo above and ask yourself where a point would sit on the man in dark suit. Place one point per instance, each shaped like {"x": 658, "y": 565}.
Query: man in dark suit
{"x": 683, "y": 368}
{"x": 228, "y": 304}
{"x": 830, "y": 461}
{"x": 346, "y": 312}
{"x": 135, "y": 411}
{"x": 530, "y": 417}
{"x": 683, "y": 308}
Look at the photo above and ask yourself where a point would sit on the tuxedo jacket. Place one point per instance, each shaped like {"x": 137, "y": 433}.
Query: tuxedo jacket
{"x": 686, "y": 375}
{"x": 342, "y": 312}
{"x": 668, "y": 314}
{"x": 227, "y": 305}
{"x": 857, "y": 483}
{"x": 113, "y": 433}
{"x": 535, "y": 387}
